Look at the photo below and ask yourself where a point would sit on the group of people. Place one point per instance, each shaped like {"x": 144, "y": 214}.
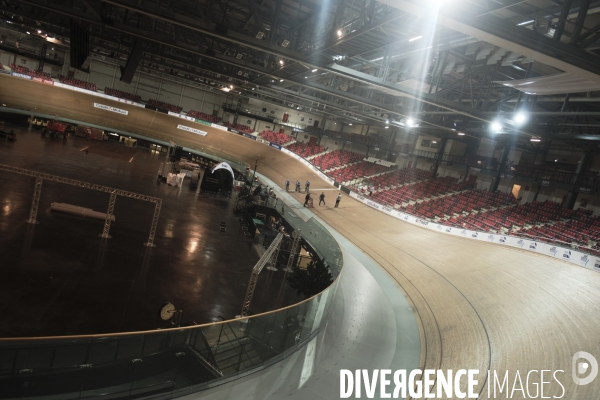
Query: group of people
{"x": 306, "y": 186}
{"x": 308, "y": 199}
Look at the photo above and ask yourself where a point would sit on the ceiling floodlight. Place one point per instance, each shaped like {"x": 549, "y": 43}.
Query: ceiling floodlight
{"x": 535, "y": 139}
{"x": 339, "y": 32}
{"x": 314, "y": 70}
{"x": 496, "y": 127}
{"x": 415, "y": 38}
{"x": 461, "y": 134}
{"x": 520, "y": 118}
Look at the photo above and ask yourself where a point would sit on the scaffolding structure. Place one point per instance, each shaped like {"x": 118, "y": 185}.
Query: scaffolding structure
{"x": 290, "y": 263}
{"x": 269, "y": 255}
{"x": 40, "y": 177}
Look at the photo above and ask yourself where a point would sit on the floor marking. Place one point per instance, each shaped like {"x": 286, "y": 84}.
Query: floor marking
{"x": 131, "y": 159}
{"x": 85, "y": 148}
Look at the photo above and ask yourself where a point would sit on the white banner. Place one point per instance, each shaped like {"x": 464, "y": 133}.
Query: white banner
{"x": 109, "y": 108}
{"x": 565, "y": 254}
{"x": 188, "y": 129}
{"x": 22, "y": 76}
{"x": 221, "y": 127}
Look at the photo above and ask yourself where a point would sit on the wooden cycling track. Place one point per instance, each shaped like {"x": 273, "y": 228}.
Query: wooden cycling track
{"x": 478, "y": 305}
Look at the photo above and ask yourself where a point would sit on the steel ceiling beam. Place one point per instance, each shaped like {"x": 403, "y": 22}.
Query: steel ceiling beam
{"x": 507, "y": 35}
{"x": 257, "y": 45}
{"x": 279, "y": 51}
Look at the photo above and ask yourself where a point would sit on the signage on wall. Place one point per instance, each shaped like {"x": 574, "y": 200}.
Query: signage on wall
{"x": 110, "y": 108}
{"x": 188, "y": 129}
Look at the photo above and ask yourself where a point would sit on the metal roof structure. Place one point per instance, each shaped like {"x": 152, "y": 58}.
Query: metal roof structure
{"x": 443, "y": 63}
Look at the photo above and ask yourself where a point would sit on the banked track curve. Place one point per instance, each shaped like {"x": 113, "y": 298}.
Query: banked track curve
{"x": 479, "y": 305}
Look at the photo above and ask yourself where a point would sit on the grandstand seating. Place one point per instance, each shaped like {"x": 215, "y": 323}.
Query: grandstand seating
{"x": 465, "y": 202}
{"x": 203, "y": 116}
{"x": 305, "y": 149}
{"x": 335, "y": 159}
{"x": 421, "y": 190}
{"x": 26, "y": 71}
{"x": 364, "y": 168}
{"x": 276, "y": 137}
{"x": 239, "y": 127}
{"x": 122, "y": 95}
{"x": 77, "y": 83}
{"x": 397, "y": 177}
{"x": 580, "y": 227}
{"x": 165, "y": 106}
{"x": 514, "y": 218}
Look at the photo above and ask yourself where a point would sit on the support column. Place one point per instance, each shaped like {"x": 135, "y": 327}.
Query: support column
{"x": 537, "y": 191}
{"x": 159, "y": 89}
{"x": 564, "y": 14}
{"x": 584, "y": 165}
{"x": 42, "y": 57}
{"x": 583, "y": 9}
{"x": 202, "y": 104}
{"x": 137, "y": 83}
{"x": 237, "y": 110}
{"x": 111, "y": 206}
{"x": 440, "y": 73}
{"x": 439, "y": 156}
{"x": 322, "y": 131}
{"x": 112, "y": 83}
{"x": 501, "y": 166}
{"x": 181, "y": 95}
{"x": 545, "y": 152}
{"x": 37, "y": 192}
{"x": 520, "y": 96}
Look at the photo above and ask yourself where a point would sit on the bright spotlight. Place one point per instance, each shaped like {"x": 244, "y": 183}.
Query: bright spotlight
{"x": 496, "y": 126}
{"x": 281, "y": 62}
{"x": 281, "y": 80}
{"x": 535, "y": 139}
{"x": 520, "y": 118}
{"x": 350, "y": 124}
{"x": 410, "y": 122}
{"x": 314, "y": 70}
{"x": 339, "y": 32}
{"x": 461, "y": 134}
{"x": 415, "y": 38}
{"x": 387, "y": 127}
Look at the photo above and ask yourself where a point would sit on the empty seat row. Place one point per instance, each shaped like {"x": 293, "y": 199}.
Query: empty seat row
{"x": 276, "y": 137}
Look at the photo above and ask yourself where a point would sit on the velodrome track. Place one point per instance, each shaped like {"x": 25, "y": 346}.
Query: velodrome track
{"x": 479, "y": 305}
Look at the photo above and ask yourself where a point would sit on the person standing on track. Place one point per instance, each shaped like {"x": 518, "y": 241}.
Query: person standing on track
{"x": 337, "y": 200}
{"x": 322, "y": 199}
{"x": 307, "y": 199}
{"x": 307, "y": 187}
{"x": 297, "y": 185}
{"x": 287, "y": 185}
